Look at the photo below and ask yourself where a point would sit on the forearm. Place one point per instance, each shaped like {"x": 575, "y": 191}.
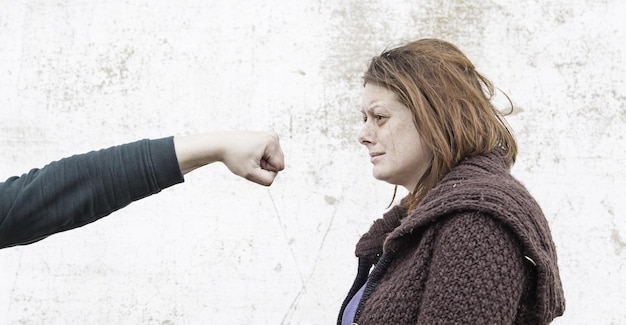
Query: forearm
{"x": 80, "y": 189}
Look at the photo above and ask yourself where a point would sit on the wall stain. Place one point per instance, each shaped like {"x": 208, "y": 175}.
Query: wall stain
{"x": 617, "y": 240}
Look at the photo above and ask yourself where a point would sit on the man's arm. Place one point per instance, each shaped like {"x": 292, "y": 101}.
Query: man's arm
{"x": 78, "y": 190}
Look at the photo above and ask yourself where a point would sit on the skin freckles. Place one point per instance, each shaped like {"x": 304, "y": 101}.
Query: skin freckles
{"x": 389, "y": 134}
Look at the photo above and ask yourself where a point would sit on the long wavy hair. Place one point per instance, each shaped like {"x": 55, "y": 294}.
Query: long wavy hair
{"x": 450, "y": 102}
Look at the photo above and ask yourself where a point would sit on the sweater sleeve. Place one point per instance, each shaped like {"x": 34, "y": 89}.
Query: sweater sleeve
{"x": 80, "y": 189}
{"x": 477, "y": 274}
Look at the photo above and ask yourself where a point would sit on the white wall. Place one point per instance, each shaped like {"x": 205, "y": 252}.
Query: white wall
{"x": 82, "y": 75}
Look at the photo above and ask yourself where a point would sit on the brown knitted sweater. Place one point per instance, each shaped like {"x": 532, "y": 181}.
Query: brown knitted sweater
{"x": 477, "y": 250}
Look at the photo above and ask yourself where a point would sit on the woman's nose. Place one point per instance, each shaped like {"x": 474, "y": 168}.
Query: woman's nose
{"x": 365, "y": 135}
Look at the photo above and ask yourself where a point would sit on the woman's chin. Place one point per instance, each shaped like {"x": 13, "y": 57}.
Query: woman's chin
{"x": 378, "y": 175}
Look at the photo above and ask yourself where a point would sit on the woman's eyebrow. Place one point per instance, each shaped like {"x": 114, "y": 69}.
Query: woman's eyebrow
{"x": 371, "y": 108}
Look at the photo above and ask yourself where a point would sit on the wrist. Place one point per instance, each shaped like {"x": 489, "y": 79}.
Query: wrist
{"x": 198, "y": 150}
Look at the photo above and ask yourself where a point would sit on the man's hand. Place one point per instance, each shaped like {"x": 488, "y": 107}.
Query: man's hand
{"x": 255, "y": 156}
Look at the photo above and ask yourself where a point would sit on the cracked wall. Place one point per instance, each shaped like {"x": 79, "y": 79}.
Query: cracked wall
{"x": 82, "y": 75}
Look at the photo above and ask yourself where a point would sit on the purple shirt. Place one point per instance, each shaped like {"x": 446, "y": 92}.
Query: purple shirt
{"x": 348, "y": 314}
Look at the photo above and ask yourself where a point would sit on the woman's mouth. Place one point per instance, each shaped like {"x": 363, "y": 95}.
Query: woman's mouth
{"x": 375, "y": 156}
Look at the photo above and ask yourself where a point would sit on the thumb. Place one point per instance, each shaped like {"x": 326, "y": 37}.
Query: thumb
{"x": 262, "y": 176}
{"x": 271, "y": 164}
{"x": 273, "y": 159}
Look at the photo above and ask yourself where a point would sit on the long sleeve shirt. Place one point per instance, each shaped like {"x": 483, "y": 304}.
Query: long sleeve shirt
{"x": 80, "y": 189}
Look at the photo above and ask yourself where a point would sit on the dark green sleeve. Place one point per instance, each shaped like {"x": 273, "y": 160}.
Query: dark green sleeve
{"x": 78, "y": 190}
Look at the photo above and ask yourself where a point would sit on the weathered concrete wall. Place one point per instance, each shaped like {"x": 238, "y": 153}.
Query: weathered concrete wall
{"x": 82, "y": 75}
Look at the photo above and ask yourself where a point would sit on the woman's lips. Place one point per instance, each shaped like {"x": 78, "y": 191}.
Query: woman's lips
{"x": 375, "y": 156}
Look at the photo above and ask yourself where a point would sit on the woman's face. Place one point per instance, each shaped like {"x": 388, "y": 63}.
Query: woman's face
{"x": 388, "y": 133}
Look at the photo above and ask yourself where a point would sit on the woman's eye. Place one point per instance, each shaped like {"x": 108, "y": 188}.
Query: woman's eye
{"x": 377, "y": 118}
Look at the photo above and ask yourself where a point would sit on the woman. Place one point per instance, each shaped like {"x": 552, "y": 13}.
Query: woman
{"x": 468, "y": 244}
